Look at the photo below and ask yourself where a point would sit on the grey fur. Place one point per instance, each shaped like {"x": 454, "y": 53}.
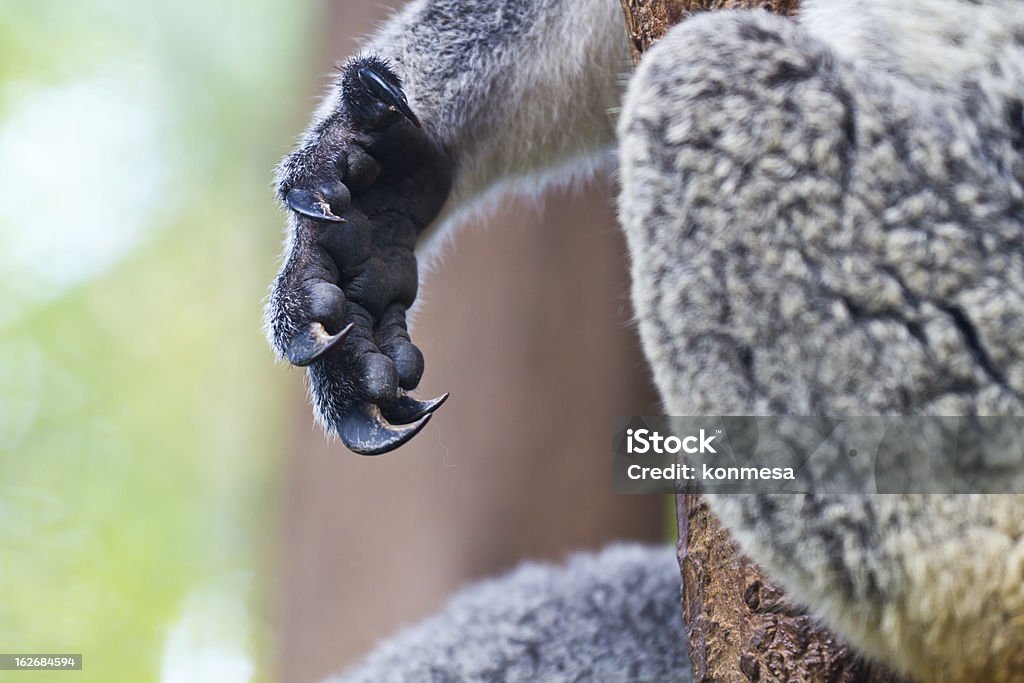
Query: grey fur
{"x": 612, "y": 616}
{"x": 838, "y": 231}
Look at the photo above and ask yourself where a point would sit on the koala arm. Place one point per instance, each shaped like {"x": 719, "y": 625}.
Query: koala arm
{"x": 450, "y": 100}
{"x": 826, "y": 220}
{"x": 514, "y": 91}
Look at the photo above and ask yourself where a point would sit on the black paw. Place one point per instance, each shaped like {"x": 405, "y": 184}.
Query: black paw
{"x": 362, "y": 186}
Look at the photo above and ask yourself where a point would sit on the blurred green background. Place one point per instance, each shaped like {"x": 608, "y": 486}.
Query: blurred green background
{"x": 141, "y": 417}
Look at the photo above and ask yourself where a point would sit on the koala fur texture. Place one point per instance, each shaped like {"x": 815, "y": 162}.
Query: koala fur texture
{"x": 825, "y": 217}
{"x": 612, "y": 616}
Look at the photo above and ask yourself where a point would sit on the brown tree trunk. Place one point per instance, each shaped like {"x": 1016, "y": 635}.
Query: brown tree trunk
{"x": 648, "y": 20}
{"x": 739, "y": 625}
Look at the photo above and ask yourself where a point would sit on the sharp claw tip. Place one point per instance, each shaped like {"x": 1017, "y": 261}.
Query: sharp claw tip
{"x": 313, "y": 342}
{"x": 305, "y": 203}
{"x": 407, "y": 410}
{"x": 388, "y": 93}
{"x": 366, "y": 431}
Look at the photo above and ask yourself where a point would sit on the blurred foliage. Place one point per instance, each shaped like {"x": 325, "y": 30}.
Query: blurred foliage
{"x": 141, "y": 417}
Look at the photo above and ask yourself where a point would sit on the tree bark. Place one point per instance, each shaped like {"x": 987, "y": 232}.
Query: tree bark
{"x": 648, "y": 20}
{"x": 739, "y": 625}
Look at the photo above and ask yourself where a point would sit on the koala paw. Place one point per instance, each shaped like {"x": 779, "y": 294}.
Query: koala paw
{"x": 364, "y": 183}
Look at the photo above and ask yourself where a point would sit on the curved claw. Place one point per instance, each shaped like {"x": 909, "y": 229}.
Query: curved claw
{"x": 387, "y": 93}
{"x": 310, "y": 204}
{"x": 364, "y": 430}
{"x": 313, "y": 342}
{"x": 407, "y": 409}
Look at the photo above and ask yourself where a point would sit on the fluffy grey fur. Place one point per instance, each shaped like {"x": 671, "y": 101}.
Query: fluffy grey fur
{"x": 612, "y": 616}
{"x": 828, "y": 220}
{"x": 824, "y": 217}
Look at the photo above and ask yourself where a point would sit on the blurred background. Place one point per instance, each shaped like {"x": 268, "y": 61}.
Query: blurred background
{"x": 167, "y": 507}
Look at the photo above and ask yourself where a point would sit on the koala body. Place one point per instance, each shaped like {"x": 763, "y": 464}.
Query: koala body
{"x": 849, "y": 245}
{"x": 825, "y": 216}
